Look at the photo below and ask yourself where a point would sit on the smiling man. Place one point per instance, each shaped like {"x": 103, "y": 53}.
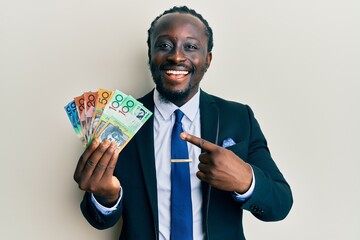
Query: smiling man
{"x": 178, "y": 59}
{"x": 193, "y": 185}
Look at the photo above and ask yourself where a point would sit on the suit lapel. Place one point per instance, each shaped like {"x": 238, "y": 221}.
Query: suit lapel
{"x": 209, "y": 117}
{"x": 145, "y": 143}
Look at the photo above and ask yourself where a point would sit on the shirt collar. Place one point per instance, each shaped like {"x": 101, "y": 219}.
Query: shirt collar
{"x": 167, "y": 109}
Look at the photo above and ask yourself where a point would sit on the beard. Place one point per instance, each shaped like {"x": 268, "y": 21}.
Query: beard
{"x": 168, "y": 95}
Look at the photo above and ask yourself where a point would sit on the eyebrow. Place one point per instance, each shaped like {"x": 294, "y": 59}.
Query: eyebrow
{"x": 168, "y": 36}
{"x": 193, "y": 38}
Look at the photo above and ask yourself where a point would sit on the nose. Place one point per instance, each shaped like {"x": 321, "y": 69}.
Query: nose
{"x": 176, "y": 55}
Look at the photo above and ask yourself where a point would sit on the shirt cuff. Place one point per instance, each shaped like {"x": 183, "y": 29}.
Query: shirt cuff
{"x": 106, "y": 210}
{"x": 243, "y": 197}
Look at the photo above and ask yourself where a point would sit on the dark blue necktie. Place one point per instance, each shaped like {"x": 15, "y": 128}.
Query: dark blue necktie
{"x": 181, "y": 207}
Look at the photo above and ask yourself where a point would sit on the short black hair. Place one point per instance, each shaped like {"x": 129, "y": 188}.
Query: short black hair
{"x": 183, "y": 9}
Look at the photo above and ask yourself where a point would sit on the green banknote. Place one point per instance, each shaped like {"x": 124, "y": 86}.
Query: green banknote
{"x": 125, "y": 122}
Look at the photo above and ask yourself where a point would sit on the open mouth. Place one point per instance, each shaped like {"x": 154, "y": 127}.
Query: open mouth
{"x": 176, "y": 74}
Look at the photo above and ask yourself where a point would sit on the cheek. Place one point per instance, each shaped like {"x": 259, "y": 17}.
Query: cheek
{"x": 200, "y": 67}
{"x": 157, "y": 58}
{"x": 155, "y": 62}
{"x": 199, "y": 61}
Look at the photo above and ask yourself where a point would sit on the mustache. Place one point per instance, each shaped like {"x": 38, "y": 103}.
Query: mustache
{"x": 179, "y": 65}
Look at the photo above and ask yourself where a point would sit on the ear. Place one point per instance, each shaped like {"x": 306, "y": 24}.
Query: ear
{"x": 208, "y": 59}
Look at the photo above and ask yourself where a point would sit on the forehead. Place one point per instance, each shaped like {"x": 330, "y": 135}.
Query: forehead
{"x": 174, "y": 24}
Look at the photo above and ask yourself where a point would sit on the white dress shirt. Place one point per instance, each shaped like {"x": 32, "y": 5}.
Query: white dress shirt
{"x": 164, "y": 119}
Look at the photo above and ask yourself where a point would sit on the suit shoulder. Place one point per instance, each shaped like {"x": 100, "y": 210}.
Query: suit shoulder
{"x": 228, "y": 104}
{"x": 147, "y": 97}
{"x": 147, "y": 100}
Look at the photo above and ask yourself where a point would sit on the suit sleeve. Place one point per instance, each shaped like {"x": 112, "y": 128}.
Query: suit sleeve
{"x": 272, "y": 197}
{"x": 95, "y": 217}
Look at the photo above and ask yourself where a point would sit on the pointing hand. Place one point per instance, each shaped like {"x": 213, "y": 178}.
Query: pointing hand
{"x": 220, "y": 167}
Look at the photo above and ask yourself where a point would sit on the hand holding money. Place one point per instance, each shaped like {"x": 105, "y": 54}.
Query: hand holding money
{"x": 105, "y": 121}
{"x": 95, "y": 169}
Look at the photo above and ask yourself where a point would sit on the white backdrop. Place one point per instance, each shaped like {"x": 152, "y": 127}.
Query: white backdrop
{"x": 296, "y": 63}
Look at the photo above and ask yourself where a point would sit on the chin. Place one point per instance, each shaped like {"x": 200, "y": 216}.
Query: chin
{"x": 174, "y": 96}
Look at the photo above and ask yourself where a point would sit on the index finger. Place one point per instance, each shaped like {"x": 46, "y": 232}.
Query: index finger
{"x": 85, "y": 157}
{"x": 199, "y": 142}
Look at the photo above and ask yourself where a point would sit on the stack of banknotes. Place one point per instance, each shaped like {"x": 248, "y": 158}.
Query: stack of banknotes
{"x": 106, "y": 114}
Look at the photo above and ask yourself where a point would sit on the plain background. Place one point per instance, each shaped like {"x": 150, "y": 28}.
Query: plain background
{"x": 296, "y": 63}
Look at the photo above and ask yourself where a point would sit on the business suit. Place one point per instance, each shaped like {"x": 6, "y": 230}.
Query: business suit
{"x": 222, "y": 215}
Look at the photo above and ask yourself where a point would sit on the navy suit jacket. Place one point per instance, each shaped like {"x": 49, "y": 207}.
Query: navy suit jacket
{"x": 222, "y": 215}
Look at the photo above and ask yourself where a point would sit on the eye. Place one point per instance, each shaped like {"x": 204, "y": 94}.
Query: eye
{"x": 191, "y": 47}
{"x": 163, "y": 45}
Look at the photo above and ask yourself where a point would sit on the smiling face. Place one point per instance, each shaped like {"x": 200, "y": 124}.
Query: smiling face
{"x": 178, "y": 56}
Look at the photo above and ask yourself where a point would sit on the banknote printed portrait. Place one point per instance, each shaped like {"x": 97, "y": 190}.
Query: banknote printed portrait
{"x": 113, "y": 133}
{"x": 140, "y": 114}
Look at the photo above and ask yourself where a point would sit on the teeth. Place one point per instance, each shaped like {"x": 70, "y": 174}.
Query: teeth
{"x": 177, "y": 72}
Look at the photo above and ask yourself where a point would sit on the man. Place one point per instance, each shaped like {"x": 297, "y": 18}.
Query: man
{"x": 230, "y": 166}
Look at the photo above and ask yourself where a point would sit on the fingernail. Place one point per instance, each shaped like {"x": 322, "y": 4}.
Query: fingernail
{"x": 113, "y": 144}
{"x": 183, "y": 135}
